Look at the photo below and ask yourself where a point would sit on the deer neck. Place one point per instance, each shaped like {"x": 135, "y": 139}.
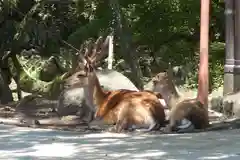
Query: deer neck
{"x": 94, "y": 92}
{"x": 170, "y": 95}
{"x": 173, "y": 99}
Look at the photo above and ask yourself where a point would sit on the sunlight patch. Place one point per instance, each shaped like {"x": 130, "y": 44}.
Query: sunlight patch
{"x": 25, "y": 129}
{"x": 6, "y": 136}
{"x": 187, "y": 137}
{"x": 149, "y": 154}
{"x": 5, "y": 154}
{"x": 105, "y": 135}
{"x": 102, "y": 144}
{"x": 221, "y": 156}
{"x": 108, "y": 140}
{"x": 118, "y": 155}
{"x": 53, "y": 150}
{"x": 67, "y": 137}
{"x": 138, "y": 137}
{"x": 88, "y": 149}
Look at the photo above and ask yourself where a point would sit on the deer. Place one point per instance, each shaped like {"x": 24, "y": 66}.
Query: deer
{"x": 186, "y": 114}
{"x": 122, "y": 107}
{"x": 72, "y": 101}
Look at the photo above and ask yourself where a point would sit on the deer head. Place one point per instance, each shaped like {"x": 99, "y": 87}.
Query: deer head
{"x": 163, "y": 81}
{"x": 84, "y": 75}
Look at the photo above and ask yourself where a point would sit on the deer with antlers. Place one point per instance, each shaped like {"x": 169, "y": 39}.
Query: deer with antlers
{"x": 124, "y": 108}
{"x": 185, "y": 114}
{"x": 72, "y": 101}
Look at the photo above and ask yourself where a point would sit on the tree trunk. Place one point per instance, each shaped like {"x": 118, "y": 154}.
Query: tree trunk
{"x": 17, "y": 76}
{"x": 125, "y": 41}
{"x": 5, "y": 91}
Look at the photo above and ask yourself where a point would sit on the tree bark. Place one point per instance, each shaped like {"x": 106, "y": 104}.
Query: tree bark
{"x": 125, "y": 40}
{"x": 17, "y": 76}
{"x": 5, "y": 91}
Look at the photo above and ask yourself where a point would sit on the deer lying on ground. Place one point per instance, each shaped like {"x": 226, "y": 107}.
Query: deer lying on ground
{"x": 124, "y": 108}
{"x": 72, "y": 101}
{"x": 185, "y": 114}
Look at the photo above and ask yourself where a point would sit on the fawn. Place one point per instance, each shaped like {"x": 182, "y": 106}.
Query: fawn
{"x": 181, "y": 109}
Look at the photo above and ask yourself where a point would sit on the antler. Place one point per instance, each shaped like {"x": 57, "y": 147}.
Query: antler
{"x": 99, "y": 50}
{"x": 85, "y": 52}
{"x": 93, "y": 52}
{"x": 81, "y": 56}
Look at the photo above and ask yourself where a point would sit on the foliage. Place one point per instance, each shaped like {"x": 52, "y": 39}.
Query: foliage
{"x": 216, "y": 67}
{"x": 159, "y": 31}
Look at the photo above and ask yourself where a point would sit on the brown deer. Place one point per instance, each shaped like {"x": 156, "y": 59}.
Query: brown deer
{"x": 124, "y": 108}
{"x": 72, "y": 101}
{"x": 181, "y": 109}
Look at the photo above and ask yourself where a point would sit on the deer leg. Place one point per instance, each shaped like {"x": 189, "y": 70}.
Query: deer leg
{"x": 91, "y": 116}
{"x": 80, "y": 113}
{"x": 120, "y": 125}
{"x": 116, "y": 128}
{"x": 122, "y": 122}
{"x": 83, "y": 113}
{"x": 168, "y": 129}
{"x": 171, "y": 126}
{"x": 153, "y": 125}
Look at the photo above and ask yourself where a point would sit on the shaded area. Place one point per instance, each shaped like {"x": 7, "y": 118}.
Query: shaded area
{"x": 40, "y": 113}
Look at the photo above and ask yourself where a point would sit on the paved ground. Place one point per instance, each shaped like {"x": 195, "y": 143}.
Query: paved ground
{"x": 31, "y": 144}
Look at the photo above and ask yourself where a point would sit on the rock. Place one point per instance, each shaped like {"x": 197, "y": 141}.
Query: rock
{"x": 71, "y": 101}
{"x": 149, "y": 86}
{"x": 216, "y": 103}
{"x": 114, "y": 80}
{"x": 231, "y": 105}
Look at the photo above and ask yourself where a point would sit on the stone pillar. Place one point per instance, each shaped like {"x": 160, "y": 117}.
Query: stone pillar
{"x": 237, "y": 46}
{"x": 231, "y": 102}
{"x": 229, "y": 54}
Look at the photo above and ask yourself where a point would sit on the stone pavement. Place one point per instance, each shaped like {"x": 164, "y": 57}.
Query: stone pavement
{"x": 32, "y": 144}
